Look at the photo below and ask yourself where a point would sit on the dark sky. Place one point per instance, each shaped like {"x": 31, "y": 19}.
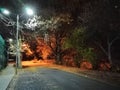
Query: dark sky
{"x": 17, "y": 6}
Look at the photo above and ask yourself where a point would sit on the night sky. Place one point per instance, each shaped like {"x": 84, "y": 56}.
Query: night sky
{"x": 17, "y": 6}
{"x": 46, "y": 7}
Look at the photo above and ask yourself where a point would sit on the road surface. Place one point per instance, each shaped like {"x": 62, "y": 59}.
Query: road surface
{"x": 53, "y": 79}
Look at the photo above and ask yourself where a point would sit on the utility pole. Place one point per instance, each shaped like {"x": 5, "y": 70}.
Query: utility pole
{"x": 18, "y": 59}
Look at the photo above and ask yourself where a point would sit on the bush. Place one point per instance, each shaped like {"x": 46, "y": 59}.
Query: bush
{"x": 89, "y": 55}
{"x": 86, "y": 65}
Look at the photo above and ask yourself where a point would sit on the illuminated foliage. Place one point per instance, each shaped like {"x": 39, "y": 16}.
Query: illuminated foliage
{"x": 56, "y": 27}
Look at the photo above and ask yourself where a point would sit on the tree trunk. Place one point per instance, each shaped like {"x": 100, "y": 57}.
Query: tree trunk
{"x": 58, "y": 55}
{"x": 109, "y": 49}
{"x": 109, "y": 54}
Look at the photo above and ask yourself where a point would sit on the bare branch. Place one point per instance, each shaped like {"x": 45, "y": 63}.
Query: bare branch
{"x": 101, "y": 48}
{"x": 117, "y": 37}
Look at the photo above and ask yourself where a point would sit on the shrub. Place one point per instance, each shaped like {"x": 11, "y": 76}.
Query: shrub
{"x": 89, "y": 55}
{"x": 86, "y": 65}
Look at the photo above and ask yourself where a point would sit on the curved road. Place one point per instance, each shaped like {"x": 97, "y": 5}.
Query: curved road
{"x": 53, "y": 79}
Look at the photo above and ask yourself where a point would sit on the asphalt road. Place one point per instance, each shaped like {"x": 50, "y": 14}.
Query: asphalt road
{"x": 53, "y": 79}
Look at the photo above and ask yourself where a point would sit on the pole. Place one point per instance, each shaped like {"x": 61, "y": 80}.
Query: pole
{"x": 18, "y": 60}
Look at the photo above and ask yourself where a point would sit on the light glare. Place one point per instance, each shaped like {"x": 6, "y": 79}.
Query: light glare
{"x": 29, "y": 11}
{"x": 10, "y": 40}
{"x": 6, "y": 12}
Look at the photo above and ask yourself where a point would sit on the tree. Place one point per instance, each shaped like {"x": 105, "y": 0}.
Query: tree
{"x": 101, "y": 22}
{"x": 77, "y": 41}
{"x": 58, "y": 32}
{"x": 103, "y": 25}
{"x": 54, "y": 30}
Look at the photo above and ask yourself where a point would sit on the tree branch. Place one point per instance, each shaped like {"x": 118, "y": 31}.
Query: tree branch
{"x": 101, "y": 48}
{"x": 117, "y": 37}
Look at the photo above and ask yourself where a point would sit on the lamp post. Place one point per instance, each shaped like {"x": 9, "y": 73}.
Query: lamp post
{"x": 18, "y": 56}
{"x": 18, "y": 59}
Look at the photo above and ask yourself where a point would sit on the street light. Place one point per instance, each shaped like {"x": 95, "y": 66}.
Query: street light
{"x": 10, "y": 40}
{"x": 29, "y": 12}
{"x": 18, "y": 59}
{"x": 5, "y": 11}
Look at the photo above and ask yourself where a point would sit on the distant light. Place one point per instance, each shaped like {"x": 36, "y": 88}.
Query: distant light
{"x": 10, "y": 40}
{"x": 116, "y": 6}
{"x": 29, "y": 11}
{"x": 5, "y": 11}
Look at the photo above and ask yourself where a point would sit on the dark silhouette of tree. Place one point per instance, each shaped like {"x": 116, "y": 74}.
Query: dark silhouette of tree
{"x": 103, "y": 25}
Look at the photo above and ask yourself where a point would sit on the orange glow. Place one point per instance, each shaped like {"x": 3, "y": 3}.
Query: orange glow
{"x": 26, "y": 49}
{"x": 43, "y": 49}
{"x": 35, "y": 63}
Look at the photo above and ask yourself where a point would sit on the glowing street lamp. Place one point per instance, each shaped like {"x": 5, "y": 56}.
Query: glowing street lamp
{"x": 5, "y": 11}
{"x": 29, "y": 11}
{"x": 10, "y": 40}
